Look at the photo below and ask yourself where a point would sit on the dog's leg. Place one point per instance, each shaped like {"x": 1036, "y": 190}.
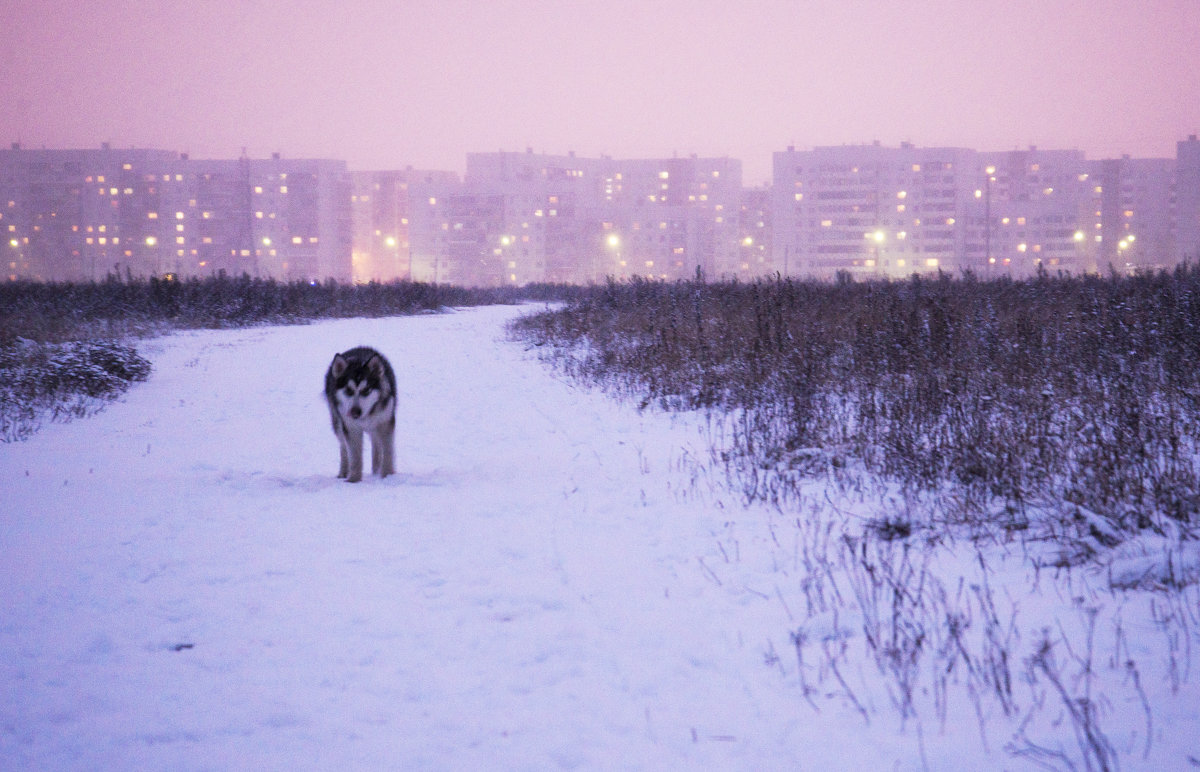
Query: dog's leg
{"x": 387, "y": 442}
{"x": 339, "y": 431}
{"x": 354, "y": 438}
{"x": 376, "y": 450}
{"x": 344, "y": 454}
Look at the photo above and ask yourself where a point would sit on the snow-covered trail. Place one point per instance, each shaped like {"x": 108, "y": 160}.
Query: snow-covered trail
{"x": 186, "y": 585}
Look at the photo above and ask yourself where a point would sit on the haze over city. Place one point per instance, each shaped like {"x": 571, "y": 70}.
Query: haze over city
{"x": 385, "y": 85}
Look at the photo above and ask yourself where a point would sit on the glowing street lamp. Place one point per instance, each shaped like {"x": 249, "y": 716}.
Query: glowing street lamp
{"x": 878, "y": 237}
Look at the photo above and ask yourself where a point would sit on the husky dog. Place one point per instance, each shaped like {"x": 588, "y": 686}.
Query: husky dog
{"x": 360, "y": 388}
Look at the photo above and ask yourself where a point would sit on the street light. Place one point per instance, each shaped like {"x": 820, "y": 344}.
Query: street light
{"x": 987, "y": 215}
{"x": 614, "y": 243}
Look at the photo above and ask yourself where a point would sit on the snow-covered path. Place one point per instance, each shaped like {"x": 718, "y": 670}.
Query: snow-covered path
{"x": 548, "y": 582}
{"x": 186, "y": 584}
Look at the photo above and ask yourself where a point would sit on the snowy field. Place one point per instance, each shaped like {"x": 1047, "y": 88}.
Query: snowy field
{"x": 552, "y": 580}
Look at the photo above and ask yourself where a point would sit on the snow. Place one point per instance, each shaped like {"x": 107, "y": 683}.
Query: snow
{"x": 551, "y": 580}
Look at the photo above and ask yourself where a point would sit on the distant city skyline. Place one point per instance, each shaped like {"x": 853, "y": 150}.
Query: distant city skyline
{"x": 384, "y": 85}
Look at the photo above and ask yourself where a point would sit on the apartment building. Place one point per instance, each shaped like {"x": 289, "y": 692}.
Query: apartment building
{"x": 87, "y": 214}
{"x": 1133, "y": 214}
{"x": 78, "y": 214}
{"x": 382, "y": 204}
{"x": 669, "y": 218}
{"x": 874, "y": 211}
{"x": 1187, "y": 199}
{"x": 522, "y": 217}
{"x": 755, "y": 234}
{"x": 530, "y": 217}
{"x": 1031, "y": 209}
{"x": 551, "y": 220}
{"x": 871, "y": 211}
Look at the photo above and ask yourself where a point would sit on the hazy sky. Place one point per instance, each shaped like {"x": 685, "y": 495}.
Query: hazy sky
{"x": 422, "y": 82}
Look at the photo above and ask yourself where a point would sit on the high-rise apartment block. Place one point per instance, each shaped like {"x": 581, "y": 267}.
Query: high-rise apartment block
{"x": 1187, "y": 199}
{"x": 87, "y": 214}
{"x": 521, "y": 217}
{"x": 531, "y": 217}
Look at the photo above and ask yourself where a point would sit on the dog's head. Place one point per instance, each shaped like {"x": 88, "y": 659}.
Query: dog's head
{"x": 357, "y": 383}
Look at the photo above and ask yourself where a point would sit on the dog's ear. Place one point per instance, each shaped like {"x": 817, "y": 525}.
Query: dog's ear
{"x": 339, "y": 366}
{"x": 375, "y": 366}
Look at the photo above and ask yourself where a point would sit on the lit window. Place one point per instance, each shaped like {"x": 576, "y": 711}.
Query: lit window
{"x": 931, "y": 262}
{"x": 283, "y": 188}
{"x": 179, "y": 215}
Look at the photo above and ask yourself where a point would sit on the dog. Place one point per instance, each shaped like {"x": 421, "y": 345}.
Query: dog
{"x": 360, "y": 388}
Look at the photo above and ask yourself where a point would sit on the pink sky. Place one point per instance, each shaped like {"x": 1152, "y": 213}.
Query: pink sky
{"x": 423, "y": 82}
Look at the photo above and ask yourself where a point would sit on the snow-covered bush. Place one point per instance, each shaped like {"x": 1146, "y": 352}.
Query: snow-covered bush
{"x": 60, "y": 381}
